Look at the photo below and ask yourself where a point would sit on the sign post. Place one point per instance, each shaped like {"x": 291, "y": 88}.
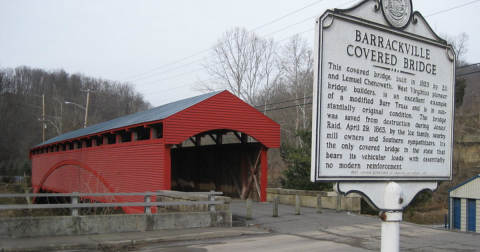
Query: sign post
{"x": 383, "y": 106}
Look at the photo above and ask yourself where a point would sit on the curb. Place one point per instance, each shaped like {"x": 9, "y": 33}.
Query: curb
{"x": 94, "y": 242}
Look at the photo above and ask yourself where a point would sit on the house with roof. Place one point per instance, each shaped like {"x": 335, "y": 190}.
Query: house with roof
{"x": 209, "y": 142}
{"x": 464, "y": 205}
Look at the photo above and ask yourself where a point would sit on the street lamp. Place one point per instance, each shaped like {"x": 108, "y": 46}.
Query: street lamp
{"x": 86, "y": 112}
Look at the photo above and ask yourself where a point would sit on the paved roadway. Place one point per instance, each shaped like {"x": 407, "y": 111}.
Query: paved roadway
{"x": 309, "y": 231}
{"x": 328, "y": 231}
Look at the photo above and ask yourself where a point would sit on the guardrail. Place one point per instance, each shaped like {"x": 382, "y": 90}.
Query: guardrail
{"x": 147, "y": 204}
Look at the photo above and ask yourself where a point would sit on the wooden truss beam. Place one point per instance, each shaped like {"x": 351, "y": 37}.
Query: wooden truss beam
{"x": 253, "y": 176}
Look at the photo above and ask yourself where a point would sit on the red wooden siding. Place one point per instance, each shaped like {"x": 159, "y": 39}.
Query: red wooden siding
{"x": 222, "y": 111}
{"x": 124, "y": 167}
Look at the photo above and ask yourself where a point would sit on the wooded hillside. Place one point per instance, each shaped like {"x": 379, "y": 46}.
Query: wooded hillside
{"x": 25, "y": 93}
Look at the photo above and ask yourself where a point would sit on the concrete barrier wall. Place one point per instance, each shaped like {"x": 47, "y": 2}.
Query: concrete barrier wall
{"x": 192, "y": 208}
{"x": 351, "y": 203}
{"x": 101, "y": 224}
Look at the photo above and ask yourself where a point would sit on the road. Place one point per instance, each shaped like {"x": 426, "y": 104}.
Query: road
{"x": 328, "y": 231}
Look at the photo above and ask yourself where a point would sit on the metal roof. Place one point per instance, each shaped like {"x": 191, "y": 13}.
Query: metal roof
{"x": 150, "y": 115}
{"x": 466, "y": 182}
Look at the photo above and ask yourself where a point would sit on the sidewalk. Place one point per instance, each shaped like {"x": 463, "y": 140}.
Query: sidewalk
{"x": 97, "y": 241}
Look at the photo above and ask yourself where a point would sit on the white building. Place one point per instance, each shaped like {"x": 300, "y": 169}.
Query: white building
{"x": 464, "y": 206}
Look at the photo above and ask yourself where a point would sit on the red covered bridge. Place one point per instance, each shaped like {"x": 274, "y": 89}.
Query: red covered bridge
{"x": 213, "y": 141}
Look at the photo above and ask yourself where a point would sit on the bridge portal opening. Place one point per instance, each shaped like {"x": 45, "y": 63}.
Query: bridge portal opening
{"x": 224, "y": 160}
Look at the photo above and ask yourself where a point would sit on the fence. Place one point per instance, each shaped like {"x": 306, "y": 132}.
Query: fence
{"x": 16, "y": 227}
{"x": 147, "y": 204}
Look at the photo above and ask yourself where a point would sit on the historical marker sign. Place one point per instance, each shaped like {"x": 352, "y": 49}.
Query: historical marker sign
{"x": 383, "y": 93}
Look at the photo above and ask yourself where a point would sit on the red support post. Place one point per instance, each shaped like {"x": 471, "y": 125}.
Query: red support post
{"x": 264, "y": 175}
{"x": 167, "y": 179}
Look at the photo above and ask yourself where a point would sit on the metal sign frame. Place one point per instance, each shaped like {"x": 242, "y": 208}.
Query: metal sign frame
{"x": 364, "y": 47}
{"x": 382, "y": 108}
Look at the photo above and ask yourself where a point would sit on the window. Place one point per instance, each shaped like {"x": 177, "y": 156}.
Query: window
{"x": 157, "y": 130}
{"x": 126, "y": 137}
{"x": 142, "y": 133}
{"x": 99, "y": 141}
{"x": 89, "y": 142}
{"x": 111, "y": 138}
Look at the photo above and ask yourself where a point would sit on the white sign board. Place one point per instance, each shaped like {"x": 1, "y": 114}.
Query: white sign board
{"x": 383, "y": 99}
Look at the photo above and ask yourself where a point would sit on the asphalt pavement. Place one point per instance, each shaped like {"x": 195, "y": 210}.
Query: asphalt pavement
{"x": 354, "y": 231}
{"x": 309, "y": 231}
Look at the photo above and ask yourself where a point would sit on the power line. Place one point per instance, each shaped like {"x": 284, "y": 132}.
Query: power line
{"x": 256, "y": 106}
{"x": 243, "y": 45}
{"x": 270, "y": 104}
{"x": 310, "y": 18}
{"x": 225, "y": 42}
{"x": 308, "y": 97}
{"x": 286, "y": 15}
{"x": 173, "y": 77}
{"x": 303, "y": 98}
{"x": 467, "y": 73}
{"x": 169, "y": 64}
{"x": 155, "y": 81}
{"x": 262, "y": 37}
{"x": 292, "y": 106}
{"x": 451, "y": 8}
{"x": 179, "y": 87}
{"x": 476, "y": 64}
{"x": 286, "y": 28}
{"x": 231, "y": 40}
{"x": 166, "y": 71}
{"x": 213, "y": 55}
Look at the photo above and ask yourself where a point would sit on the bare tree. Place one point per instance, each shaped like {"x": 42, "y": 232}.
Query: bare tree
{"x": 295, "y": 85}
{"x": 465, "y": 85}
{"x": 297, "y": 65}
{"x": 242, "y": 63}
{"x": 460, "y": 46}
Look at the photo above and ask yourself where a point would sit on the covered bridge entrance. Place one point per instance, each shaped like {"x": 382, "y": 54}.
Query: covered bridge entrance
{"x": 220, "y": 160}
{"x": 208, "y": 142}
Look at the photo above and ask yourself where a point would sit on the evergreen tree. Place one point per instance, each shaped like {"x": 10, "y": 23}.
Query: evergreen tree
{"x": 25, "y": 169}
{"x": 298, "y": 160}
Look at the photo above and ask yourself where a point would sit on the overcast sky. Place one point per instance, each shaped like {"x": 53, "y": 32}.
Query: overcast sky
{"x": 124, "y": 39}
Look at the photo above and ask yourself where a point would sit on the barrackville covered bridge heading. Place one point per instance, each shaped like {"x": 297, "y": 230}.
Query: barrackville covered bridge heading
{"x": 209, "y": 142}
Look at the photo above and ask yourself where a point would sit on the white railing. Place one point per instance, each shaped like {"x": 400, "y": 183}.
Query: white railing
{"x": 147, "y": 204}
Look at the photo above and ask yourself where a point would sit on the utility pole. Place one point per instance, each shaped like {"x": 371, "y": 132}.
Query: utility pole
{"x": 44, "y": 125}
{"x": 43, "y": 118}
{"x": 59, "y": 118}
{"x": 86, "y": 106}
